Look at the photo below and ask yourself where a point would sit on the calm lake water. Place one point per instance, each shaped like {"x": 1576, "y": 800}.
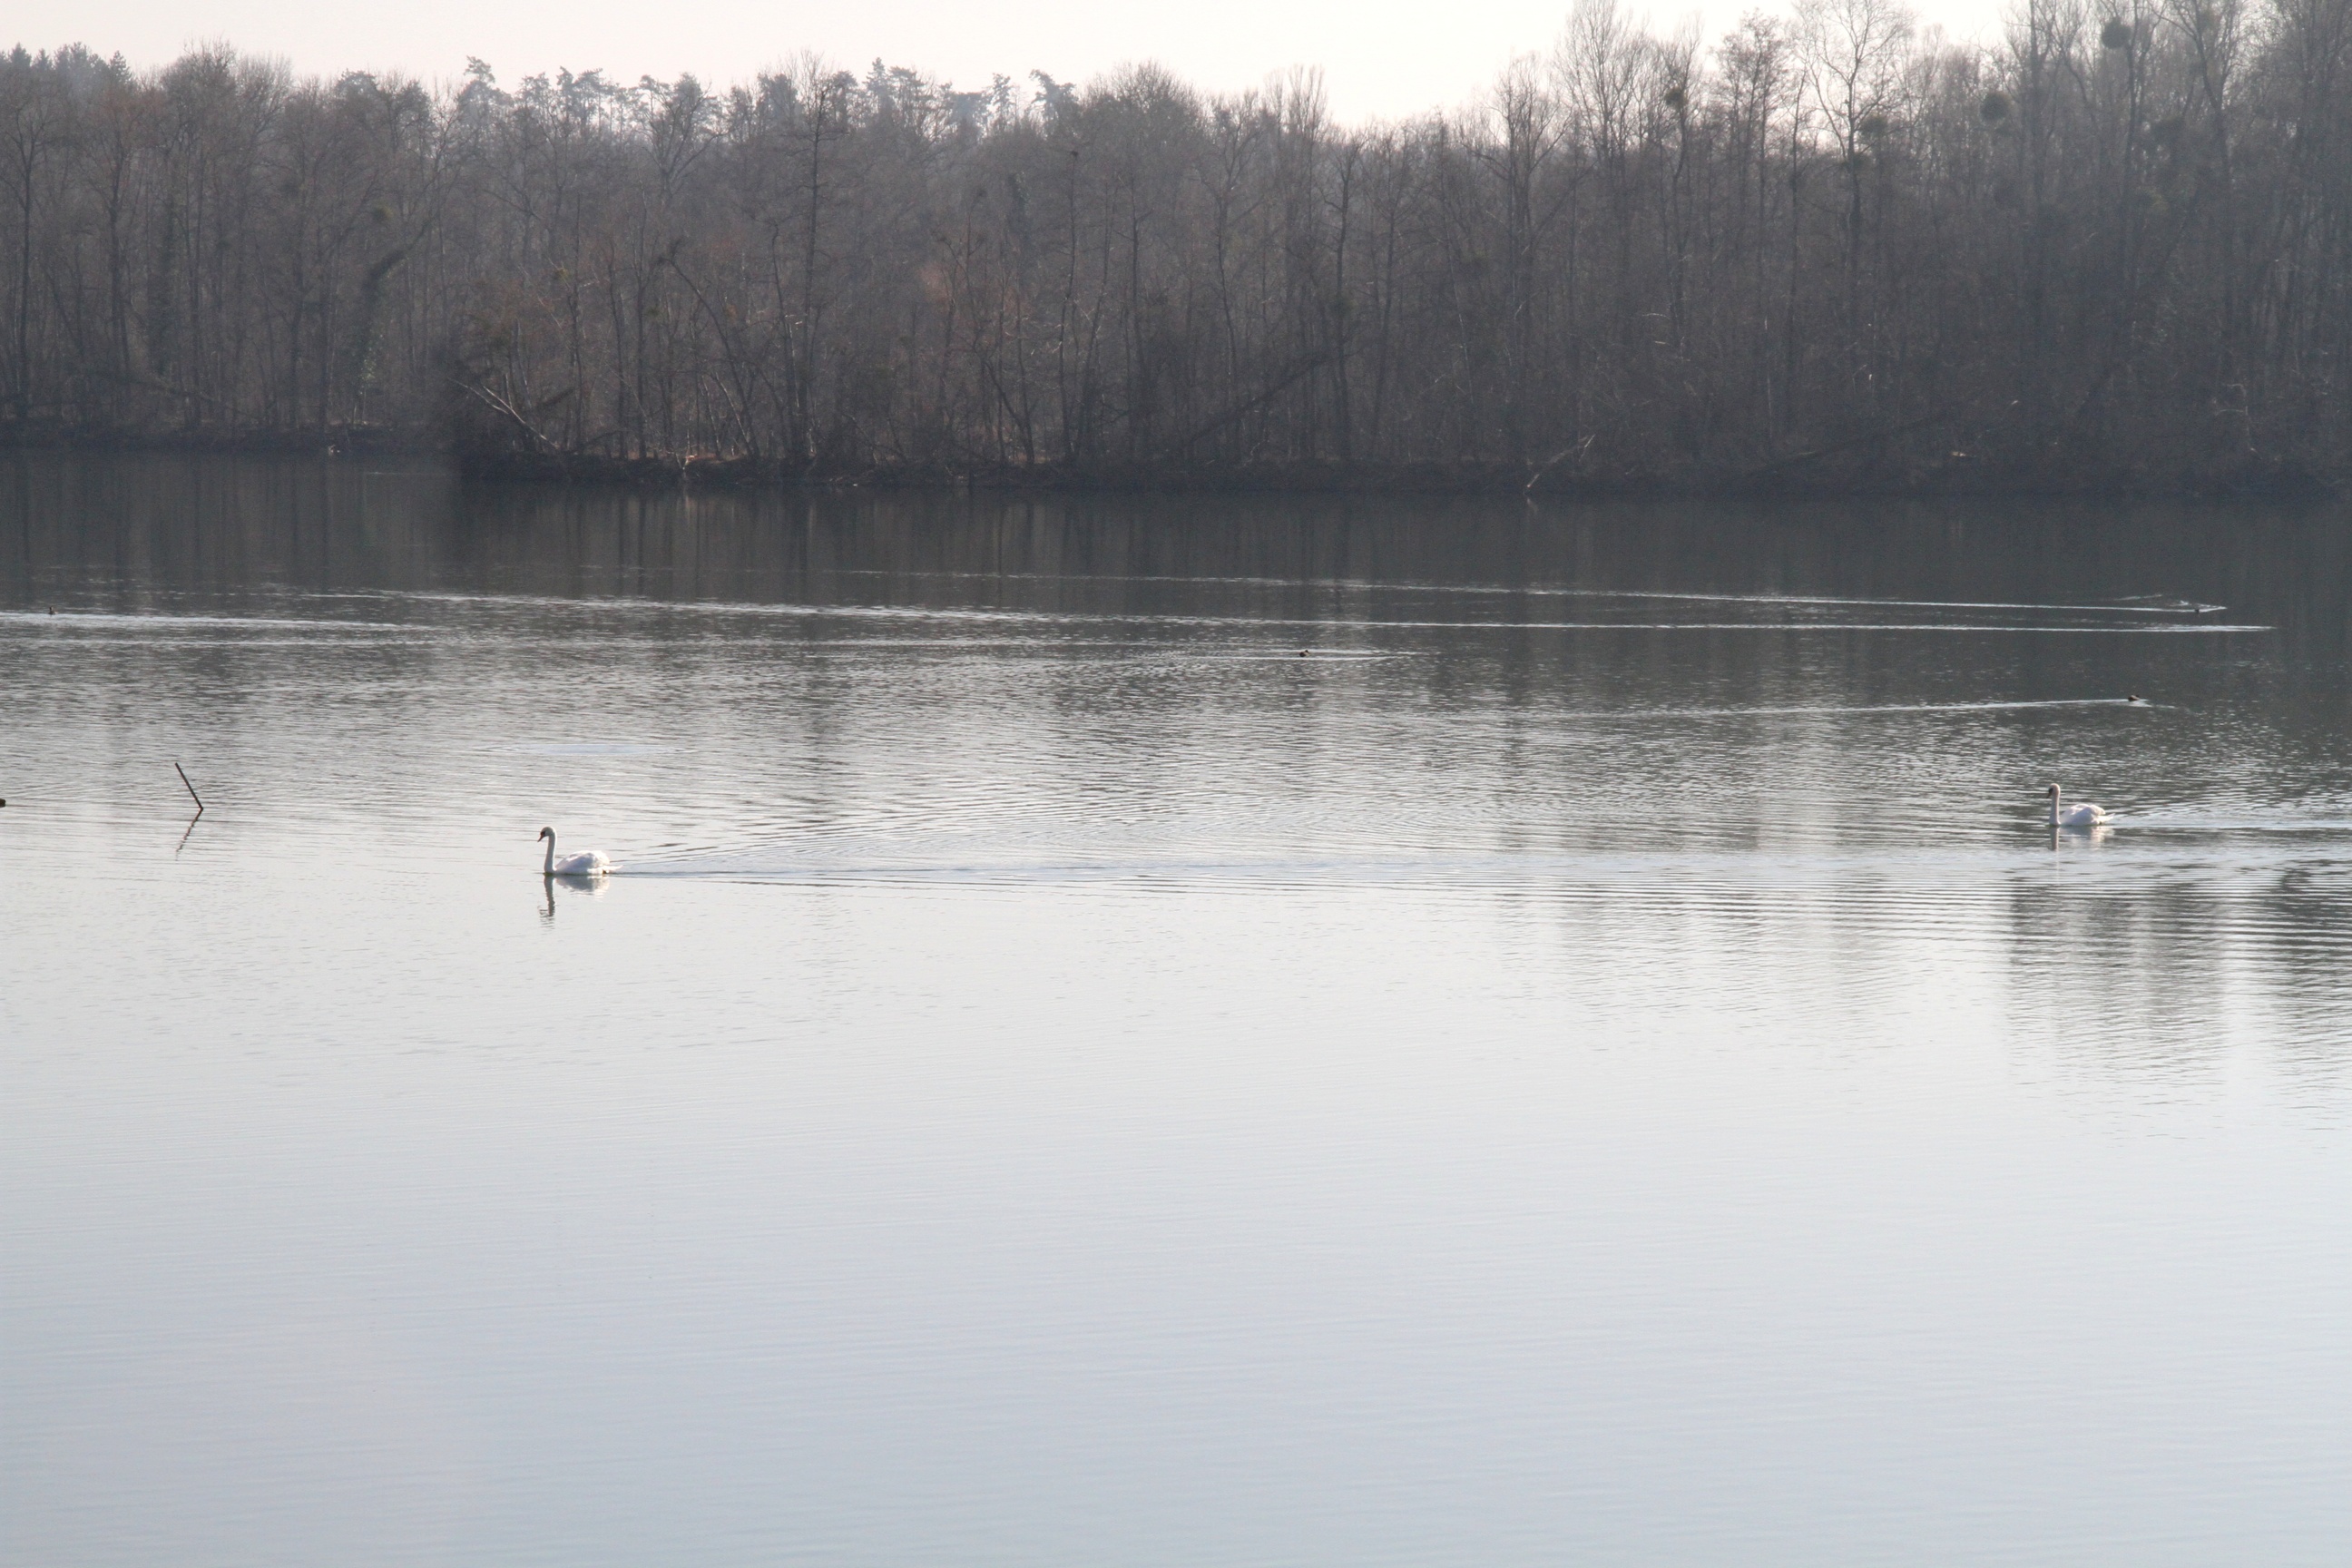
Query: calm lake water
{"x": 1598, "y": 1062}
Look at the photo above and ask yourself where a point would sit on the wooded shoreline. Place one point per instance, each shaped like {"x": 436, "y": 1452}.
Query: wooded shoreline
{"x": 1833, "y": 253}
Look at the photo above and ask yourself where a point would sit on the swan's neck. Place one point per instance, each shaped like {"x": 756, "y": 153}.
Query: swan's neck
{"x": 551, "y": 844}
{"x": 2054, "y": 821}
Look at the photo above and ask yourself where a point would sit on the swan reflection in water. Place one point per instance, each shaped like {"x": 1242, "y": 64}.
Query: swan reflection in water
{"x": 578, "y": 887}
{"x": 2071, "y": 837}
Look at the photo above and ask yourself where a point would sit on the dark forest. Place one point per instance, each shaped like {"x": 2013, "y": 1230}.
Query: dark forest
{"x": 1830, "y": 249}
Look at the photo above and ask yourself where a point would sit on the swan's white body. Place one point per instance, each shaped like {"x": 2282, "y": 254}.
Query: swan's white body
{"x": 2080, "y": 815}
{"x": 587, "y": 863}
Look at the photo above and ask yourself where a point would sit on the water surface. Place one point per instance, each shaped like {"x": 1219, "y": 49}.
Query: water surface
{"x": 1166, "y": 1032}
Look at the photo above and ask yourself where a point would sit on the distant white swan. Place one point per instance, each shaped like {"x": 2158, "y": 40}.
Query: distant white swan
{"x": 587, "y": 863}
{"x": 2080, "y": 815}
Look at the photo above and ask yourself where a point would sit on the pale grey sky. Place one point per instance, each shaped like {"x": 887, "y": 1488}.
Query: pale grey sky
{"x": 1379, "y": 56}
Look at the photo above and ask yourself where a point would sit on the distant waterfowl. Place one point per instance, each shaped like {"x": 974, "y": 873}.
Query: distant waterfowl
{"x": 2136, "y": 700}
{"x": 2080, "y": 815}
{"x": 587, "y": 863}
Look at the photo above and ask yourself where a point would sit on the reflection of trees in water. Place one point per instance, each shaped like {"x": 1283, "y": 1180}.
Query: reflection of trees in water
{"x": 2156, "y": 980}
{"x": 196, "y": 521}
{"x": 2128, "y": 982}
{"x": 1831, "y": 874}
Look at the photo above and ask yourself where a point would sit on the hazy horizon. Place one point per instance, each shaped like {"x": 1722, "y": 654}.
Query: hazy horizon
{"x": 1368, "y": 70}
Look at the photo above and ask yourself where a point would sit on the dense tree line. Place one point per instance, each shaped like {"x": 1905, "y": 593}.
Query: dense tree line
{"x": 2115, "y": 245}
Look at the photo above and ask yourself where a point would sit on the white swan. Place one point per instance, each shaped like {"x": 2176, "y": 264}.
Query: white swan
{"x": 587, "y": 863}
{"x": 2081, "y": 815}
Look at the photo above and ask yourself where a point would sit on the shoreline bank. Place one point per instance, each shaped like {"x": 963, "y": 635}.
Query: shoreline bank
{"x": 1826, "y": 475}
